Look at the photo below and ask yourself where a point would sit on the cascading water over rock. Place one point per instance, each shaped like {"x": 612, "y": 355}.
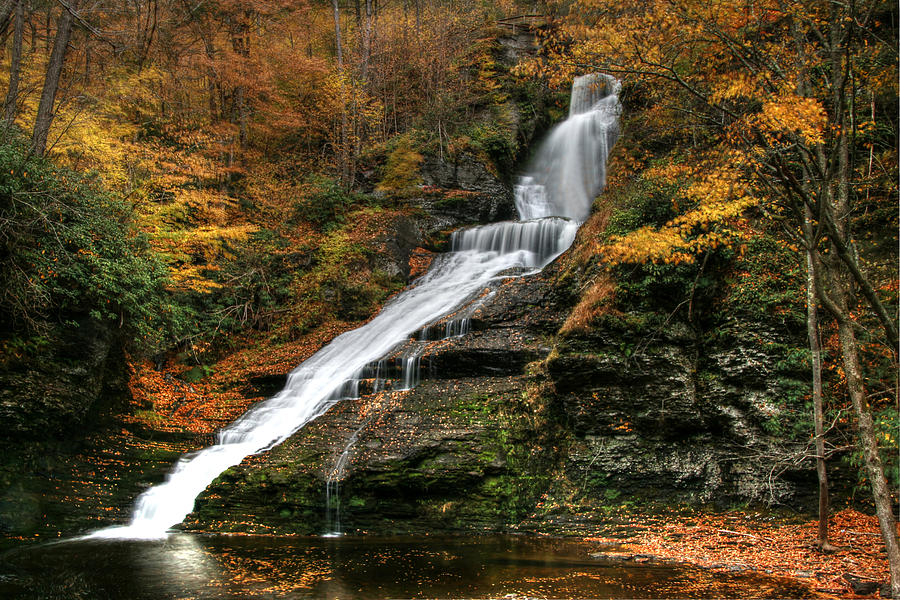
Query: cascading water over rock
{"x": 568, "y": 171}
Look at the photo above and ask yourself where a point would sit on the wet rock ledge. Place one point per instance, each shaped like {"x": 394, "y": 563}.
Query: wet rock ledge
{"x": 514, "y": 425}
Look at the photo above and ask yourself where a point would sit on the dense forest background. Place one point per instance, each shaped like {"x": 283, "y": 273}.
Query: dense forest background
{"x": 202, "y": 188}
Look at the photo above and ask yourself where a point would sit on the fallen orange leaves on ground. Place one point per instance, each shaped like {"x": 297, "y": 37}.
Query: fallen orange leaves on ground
{"x": 767, "y": 544}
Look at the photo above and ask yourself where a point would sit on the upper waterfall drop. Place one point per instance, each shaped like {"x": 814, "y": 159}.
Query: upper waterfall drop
{"x": 569, "y": 168}
{"x": 588, "y": 90}
{"x": 567, "y": 172}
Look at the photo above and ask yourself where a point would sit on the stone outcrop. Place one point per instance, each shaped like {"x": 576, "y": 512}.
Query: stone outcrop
{"x": 78, "y": 374}
{"x": 485, "y": 197}
{"x": 511, "y": 412}
{"x": 458, "y": 452}
{"x": 665, "y": 416}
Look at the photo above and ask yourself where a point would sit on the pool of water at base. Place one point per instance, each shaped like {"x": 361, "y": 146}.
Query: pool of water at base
{"x": 225, "y": 566}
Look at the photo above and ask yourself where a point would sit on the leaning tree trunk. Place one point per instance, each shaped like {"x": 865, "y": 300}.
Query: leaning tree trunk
{"x": 9, "y": 106}
{"x": 835, "y": 215}
{"x": 868, "y": 440}
{"x": 51, "y": 81}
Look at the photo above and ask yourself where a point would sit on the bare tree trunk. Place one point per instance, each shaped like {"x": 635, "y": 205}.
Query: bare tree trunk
{"x": 366, "y": 41}
{"x": 815, "y": 350}
{"x": 837, "y": 220}
{"x": 15, "y": 67}
{"x": 418, "y": 18}
{"x": 337, "y": 33}
{"x": 240, "y": 44}
{"x": 818, "y": 416}
{"x": 147, "y": 33}
{"x": 869, "y": 443}
{"x": 212, "y": 83}
{"x": 837, "y": 299}
{"x": 51, "y": 81}
{"x": 344, "y": 150}
{"x": 240, "y": 116}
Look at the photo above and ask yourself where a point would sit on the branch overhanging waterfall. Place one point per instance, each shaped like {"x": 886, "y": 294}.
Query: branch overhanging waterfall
{"x": 553, "y": 199}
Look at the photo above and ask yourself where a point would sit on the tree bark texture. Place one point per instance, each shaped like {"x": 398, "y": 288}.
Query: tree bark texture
{"x": 815, "y": 350}
{"x": 51, "y": 81}
{"x": 337, "y": 33}
{"x": 868, "y": 441}
{"x": 15, "y": 67}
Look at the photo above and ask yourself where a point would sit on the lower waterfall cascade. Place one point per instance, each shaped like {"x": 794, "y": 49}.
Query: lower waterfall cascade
{"x": 553, "y": 198}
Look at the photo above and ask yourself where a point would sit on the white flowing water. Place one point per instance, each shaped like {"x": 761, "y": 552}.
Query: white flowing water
{"x": 333, "y": 485}
{"x": 568, "y": 171}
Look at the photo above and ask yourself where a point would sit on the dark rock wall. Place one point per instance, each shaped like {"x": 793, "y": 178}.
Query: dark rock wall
{"x": 79, "y": 374}
{"x": 676, "y": 419}
{"x": 513, "y": 413}
{"x": 489, "y": 198}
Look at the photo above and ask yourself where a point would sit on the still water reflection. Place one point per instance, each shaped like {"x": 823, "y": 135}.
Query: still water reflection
{"x": 192, "y": 566}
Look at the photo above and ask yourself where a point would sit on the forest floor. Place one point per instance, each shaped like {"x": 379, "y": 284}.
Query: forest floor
{"x": 760, "y": 542}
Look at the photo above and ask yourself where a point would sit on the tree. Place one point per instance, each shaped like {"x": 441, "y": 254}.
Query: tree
{"x": 12, "y": 94}
{"x": 774, "y": 90}
{"x": 51, "y": 79}
{"x": 815, "y": 355}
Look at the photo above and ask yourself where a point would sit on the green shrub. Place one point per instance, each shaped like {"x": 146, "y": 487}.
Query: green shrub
{"x": 326, "y": 204}
{"x": 256, "y": 280}
{"x": 69, "y": 249}
{"x": 400, "y": 175}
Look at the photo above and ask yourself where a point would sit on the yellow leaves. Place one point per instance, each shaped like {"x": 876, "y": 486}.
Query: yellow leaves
{"x": 785, "y": 116}
{"x": 718, "y": 195}
{"x": 793, "y": 115}
{"x": 738, "y": 85}
{"x": 647, "y": 244}
{"x": 669, "y": 173}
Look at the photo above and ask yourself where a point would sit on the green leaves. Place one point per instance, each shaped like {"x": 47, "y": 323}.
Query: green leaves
{"x": 68, "y": 248}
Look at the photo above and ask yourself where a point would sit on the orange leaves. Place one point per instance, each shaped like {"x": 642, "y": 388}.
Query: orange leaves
{"x": 738, "y": 85}
{"x": 594, "y": 302}
{"x": 419, "y": 261}
{"x": 765, "y": 544}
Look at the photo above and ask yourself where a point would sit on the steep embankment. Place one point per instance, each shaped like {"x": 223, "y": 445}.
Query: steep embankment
{"x": 520, "y": 426}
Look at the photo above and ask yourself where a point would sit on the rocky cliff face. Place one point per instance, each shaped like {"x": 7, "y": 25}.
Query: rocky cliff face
{"x": 458, "y": 452}
{"x": 671, "y": 417}
{"x": 513, "y": 414}
{"x": 78, "y": 374}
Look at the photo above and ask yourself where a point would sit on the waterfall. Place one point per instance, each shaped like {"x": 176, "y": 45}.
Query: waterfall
{"x": 555, "y": 196}
{"x": 333, "y": 485}
{"x": 569, "y": 169}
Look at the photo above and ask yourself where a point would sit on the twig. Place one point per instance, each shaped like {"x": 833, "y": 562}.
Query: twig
{"x": 90, "y": 28}
{"x": 858, "y": 576}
